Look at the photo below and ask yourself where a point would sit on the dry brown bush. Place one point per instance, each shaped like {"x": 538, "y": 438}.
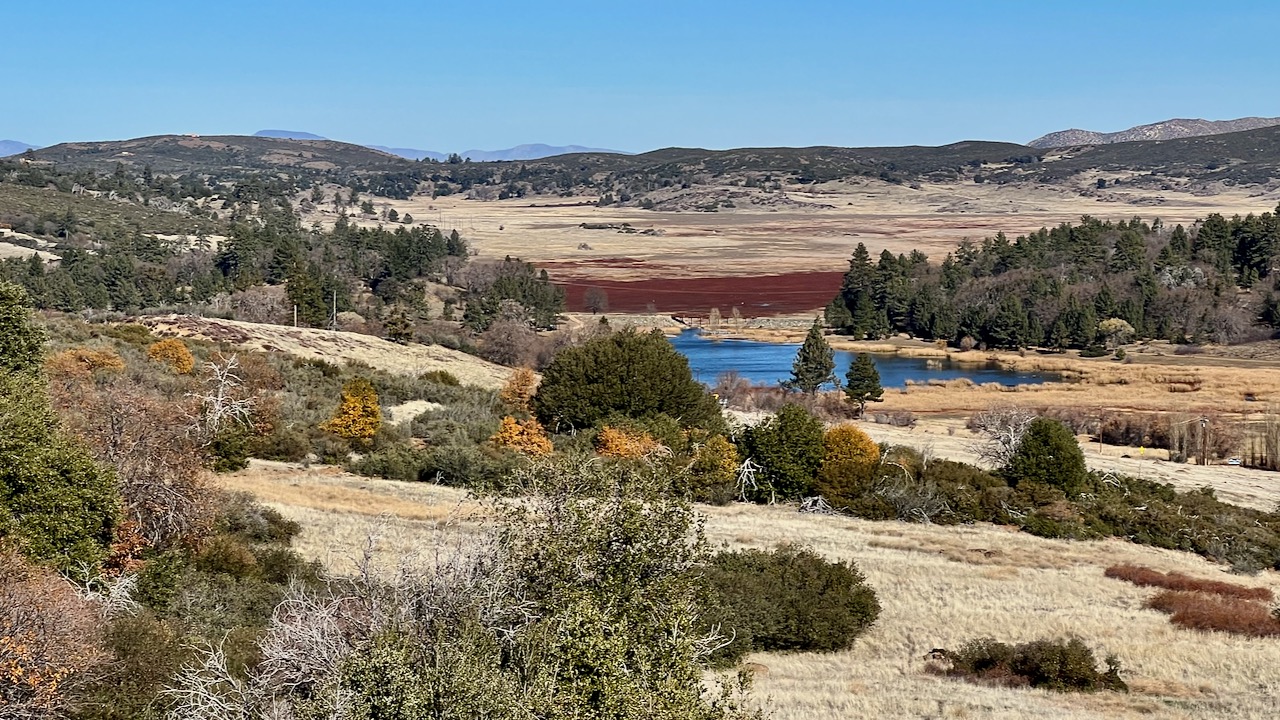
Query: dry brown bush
{"x": 1146, "y": 577}
{"x": 152, "y": 444}
{"x": 1204, "y": 611}
{"x": 49, "y": 641}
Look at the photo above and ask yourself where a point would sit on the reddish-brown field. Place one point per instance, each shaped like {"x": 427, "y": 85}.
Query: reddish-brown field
{"x": 753, "y": 296}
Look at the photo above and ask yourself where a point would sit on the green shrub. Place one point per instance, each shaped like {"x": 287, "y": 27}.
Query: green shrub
{"x": 440, "y": 377}
{"x": 787, "y": 599}
{"x": 712, "y": 475}
{"x": 230, "y": 450}
{"x": 227, "y": 555}
{"x": 1049, "y": 454}
{"x": 636, "y": 375}
{"x": 130, "y": 333}
{"x": 399, "y": 462}
{"x": 788, "y": 448}
{"x": 240, "y": 515}
{"x": 148, "y": 651}
{"x": 283, "y": 444}
{"x": 56, "y": 503}
{"x": 21, "y": 340}
{"x": 1061, "y": 665}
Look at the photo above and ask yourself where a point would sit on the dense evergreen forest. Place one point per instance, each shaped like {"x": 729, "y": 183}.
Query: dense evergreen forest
{"x": 1076, "y": 286}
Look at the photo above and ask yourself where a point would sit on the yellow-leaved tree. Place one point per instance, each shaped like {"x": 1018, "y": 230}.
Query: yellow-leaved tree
{"x": 526, "y": 437}
{"x": 517, "y": 394}
{"x": 847, "y": 478}
{"x": 174, "y": 353}
{"x": 847, "y": 443}
{"x": 358, "y": 417}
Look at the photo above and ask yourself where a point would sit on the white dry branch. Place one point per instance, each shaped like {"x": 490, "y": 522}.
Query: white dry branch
{"x": 222, "y": 402}
{"x": 1001, "y": 429}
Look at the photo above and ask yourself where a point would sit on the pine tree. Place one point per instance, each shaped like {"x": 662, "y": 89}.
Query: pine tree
{"x": 398, "y": 326}
{"x": 862, "y": 383}
{"x": 815, "y": 363}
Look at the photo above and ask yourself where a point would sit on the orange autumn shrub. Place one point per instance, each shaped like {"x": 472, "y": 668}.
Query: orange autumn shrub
{"x": 359, "y": 416}
{"x": 625, "y": 443}
{"x": 526, "y": 437}
{"x": 174, "y": 353}
{"x": 519, "y": 389}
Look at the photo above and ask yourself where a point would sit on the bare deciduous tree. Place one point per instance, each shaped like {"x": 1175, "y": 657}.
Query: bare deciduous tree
{"x": 1001, "y": 429}
{"x": 223, "y": 401}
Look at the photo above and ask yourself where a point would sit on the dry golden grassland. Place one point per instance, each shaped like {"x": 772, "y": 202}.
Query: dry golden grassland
{"x": 755, "y": 240}
{"x": 939, "y": 586}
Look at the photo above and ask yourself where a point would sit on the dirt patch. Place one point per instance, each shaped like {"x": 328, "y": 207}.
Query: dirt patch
{"x": 753, "y": 296}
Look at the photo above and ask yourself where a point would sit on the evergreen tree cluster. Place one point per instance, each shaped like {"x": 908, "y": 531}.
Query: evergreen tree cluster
{"x": 141, "y": 271}
{"x": 512, "y": 290}
{"x": 1053, "y": 287}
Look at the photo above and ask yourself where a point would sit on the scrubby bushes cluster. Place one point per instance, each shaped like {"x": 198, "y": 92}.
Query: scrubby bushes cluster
{"x": 523, "y": 620}
{"x": 1060, "y": 665}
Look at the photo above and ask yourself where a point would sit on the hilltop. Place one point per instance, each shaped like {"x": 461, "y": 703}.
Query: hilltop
{"x": 1163, "y": 130}
{"x": 219, "y": 154}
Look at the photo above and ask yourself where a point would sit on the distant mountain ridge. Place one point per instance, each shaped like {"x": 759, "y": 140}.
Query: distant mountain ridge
{"x": 1164, "y": 130}
{"x": 288, "y": 135}
{"x": 14, "y": 147}
{"x": 534, "y": 151}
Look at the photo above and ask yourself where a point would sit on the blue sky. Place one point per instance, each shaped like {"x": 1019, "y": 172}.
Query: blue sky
{"x": 633, "y": 76}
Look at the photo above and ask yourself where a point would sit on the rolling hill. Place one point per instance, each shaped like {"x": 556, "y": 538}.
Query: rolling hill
{"x": 1249, "y": 157}
{"x": 220, "y": 154}
{"x": 1164, "y": 130}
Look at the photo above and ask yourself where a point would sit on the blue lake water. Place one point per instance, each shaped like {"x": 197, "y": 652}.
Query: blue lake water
{"x": 770, "y": 363}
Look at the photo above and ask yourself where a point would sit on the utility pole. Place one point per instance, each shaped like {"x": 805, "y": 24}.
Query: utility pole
{"x": 295, "y": 315}
{"x": 1204, "y": 441}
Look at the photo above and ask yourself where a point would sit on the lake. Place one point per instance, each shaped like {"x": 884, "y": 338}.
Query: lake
{"x": 770, "y": 363}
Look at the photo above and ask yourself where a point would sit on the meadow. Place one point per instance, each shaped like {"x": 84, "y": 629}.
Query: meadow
{"x": 938, "y": 587}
